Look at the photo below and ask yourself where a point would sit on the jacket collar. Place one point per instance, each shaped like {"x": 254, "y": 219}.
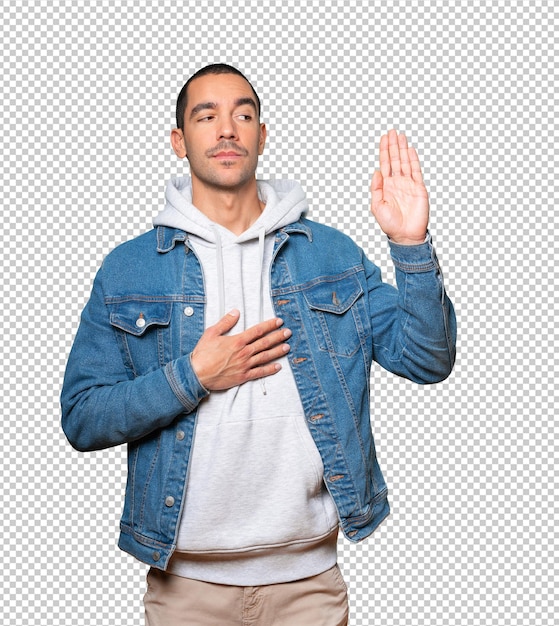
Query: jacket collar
{"x": 168, "y": 237}
{"x": 300, "y": 226}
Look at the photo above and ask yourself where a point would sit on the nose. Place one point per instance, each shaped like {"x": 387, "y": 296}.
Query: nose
{"x": 227, "y": 129}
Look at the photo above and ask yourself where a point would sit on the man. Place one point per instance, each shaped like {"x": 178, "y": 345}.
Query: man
{"x": 230, "y": 348}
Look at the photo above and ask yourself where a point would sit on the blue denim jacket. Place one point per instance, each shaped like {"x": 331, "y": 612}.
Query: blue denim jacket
{"x": 129, "y": 378}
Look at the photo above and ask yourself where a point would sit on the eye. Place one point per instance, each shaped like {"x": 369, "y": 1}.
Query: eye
{"x": 206, "y": 118}
{"x": 245, "y": 117}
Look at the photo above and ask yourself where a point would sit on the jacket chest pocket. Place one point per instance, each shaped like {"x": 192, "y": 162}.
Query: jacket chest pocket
{"x": 143, "y": 332}
{"x": 338, "y": 314}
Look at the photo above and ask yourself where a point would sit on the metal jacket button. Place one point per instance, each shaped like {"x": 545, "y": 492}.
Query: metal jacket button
{"x": 188, "y": 311}
{"x": 169, "y": 501}
{"x": 140, "y": 322}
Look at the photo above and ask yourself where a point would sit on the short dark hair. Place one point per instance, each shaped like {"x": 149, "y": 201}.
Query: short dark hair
{"x": 216, "y": 68}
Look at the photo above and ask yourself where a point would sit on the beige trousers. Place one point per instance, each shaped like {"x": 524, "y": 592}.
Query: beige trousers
{"x": 175, "y": 601}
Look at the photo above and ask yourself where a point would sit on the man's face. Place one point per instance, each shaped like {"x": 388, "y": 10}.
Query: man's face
{"x": 222, "y": 134}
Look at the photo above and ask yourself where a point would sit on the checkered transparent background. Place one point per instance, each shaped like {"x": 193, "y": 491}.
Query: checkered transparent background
{"x": 88, "y": 93}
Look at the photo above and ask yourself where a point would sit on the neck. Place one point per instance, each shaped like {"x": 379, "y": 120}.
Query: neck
{"x": 235, "y": 210}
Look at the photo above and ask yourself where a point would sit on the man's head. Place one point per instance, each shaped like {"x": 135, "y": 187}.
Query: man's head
{"x": 215, "y": 69}
{"x": 220, "y": 131}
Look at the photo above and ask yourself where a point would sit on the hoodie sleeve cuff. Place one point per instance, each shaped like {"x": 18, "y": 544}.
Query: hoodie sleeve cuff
{"x": 184, "y": 383}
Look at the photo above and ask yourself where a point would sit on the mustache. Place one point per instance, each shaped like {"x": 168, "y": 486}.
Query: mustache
{"x": 226, "y": 146}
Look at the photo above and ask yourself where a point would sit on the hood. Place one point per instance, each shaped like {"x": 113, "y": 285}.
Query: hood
{"x": 284, "y": 199}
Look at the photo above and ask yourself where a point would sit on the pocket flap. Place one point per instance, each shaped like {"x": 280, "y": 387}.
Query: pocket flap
{"x": 334, "y": 295}
{"x": 136, "y": 316}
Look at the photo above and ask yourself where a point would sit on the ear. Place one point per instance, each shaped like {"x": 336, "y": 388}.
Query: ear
{"x": 178, "y": 143}
{"x": 262, "y": 140}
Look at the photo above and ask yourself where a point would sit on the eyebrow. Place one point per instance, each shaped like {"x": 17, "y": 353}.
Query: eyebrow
{"x": 213, "y": 105}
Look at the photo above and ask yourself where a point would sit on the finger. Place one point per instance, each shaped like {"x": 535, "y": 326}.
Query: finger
{"x": 415, "y": 166}
{"x": 404, "y": 157}
{"x": 384, "y": 157}
{"x": 394, "y": 153}
{"x": 269, "y": 341}
{"x": 262, "y": 372}
{"x": 377, "y": 189}
{"x": 260, "y": 330}
{"x": 267, "y": 356}
{"x": 226, "y": 323}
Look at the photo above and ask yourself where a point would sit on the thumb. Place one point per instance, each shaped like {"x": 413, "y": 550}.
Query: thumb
{"x": 377, "y": 185}
{"x": 226, "y": 323}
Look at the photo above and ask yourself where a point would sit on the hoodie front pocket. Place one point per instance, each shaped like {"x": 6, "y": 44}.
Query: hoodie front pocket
{"x": 338, "y": 314}
{"x": 143, "y": 329}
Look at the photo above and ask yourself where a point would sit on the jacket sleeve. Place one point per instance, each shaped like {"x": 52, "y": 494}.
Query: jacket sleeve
{"x": 414, "y": 326}
{"x": 102, "y": 405}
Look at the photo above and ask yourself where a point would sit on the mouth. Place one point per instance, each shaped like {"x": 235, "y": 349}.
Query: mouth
{"x": 227, "y": 155}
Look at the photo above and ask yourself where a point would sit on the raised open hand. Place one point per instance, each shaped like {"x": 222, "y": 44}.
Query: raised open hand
{"x": 399, "y": 201}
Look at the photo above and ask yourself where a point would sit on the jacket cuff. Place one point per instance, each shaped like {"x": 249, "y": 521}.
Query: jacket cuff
{"x": 414, "y": 258}
{"x": 184, "y": 382}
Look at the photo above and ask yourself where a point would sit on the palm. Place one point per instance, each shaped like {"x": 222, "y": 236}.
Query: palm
{"x": 400, "y": 202}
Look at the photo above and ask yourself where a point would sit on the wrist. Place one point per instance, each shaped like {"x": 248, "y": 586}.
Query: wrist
{"x": 198, "y": 372}
{"x": 408, "y": 241}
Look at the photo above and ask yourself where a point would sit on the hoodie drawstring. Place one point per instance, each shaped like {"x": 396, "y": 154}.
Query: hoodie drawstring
{"x": 221, "y": 279}
{"x": 261, "y": 241}
{"x": 220, "y": 273}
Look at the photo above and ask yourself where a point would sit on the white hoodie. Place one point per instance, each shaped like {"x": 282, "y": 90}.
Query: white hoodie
{"x": 256, "y": 510}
